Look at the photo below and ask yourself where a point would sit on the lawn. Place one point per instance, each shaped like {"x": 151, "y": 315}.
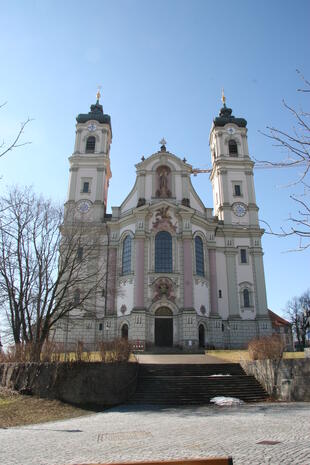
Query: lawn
{"x": 16, "y": 410}
{"x": 235, "y": 356}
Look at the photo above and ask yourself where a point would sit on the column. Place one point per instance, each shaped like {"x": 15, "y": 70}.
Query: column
{"x": 213, "y": 283}
{"x": 73, "y": 181}
{"x": 233, "y": 301}
{"x": 99, "y": 185}
{"x": 260, "y": 285}
{"x": 188, "y": 273}
{"x": 139, "y": 272}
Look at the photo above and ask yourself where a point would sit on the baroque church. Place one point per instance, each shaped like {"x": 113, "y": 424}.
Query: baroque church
{"x": 179, "y": 274}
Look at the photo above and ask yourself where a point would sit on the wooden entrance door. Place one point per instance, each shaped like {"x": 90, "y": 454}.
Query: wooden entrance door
{"x": 164, "y": 327}
{"x": 164, "y": 332}
{"x": 201, "y": 336}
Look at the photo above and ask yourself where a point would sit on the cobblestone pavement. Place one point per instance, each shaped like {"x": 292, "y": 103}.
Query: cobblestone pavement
{"x": 141, "y": 433}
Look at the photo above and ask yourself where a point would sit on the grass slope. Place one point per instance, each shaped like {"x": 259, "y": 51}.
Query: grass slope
{"x": 16, "y": 410}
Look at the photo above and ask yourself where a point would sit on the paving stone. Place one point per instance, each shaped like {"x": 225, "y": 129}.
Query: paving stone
{"x": 130, "y": 433}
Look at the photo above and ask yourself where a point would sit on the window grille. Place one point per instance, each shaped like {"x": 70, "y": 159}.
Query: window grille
{"x": 199, "y": 256}
{"x": 243, "y": 256}
{"x": 233, "y": 148}
{"x": 85, "y": 187}
{"x": 163, "y": 252}
{"x": 126, "y": 258}
{"x": 246, "y": 297}
{"x": 77, "y": 297}
{"x": 90, "y": 144}
{"x": 237, "y": 190}
{"x": 80, "y": 254}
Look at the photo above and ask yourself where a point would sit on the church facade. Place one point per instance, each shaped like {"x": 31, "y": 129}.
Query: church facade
{"x": 178, "y": 273}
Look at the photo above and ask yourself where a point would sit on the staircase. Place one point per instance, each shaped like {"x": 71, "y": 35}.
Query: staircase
{"x": 184, "y": 384}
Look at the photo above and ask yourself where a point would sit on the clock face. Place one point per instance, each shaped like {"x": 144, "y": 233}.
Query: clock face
{"x": 92, "y": 127}
{"x": 231, "y": 130}
{"x": 84, "y": 206}
{"x": 239, "y": 209}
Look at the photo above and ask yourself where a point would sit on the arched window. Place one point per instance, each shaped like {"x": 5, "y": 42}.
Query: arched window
{"x": 77, "y": 297}
{"x": 79, "y": 254}
{"x": 233, "y": 148}
{"x": 246, "y": 297}
{"x": 124, "y": 331}
{"x": 90, "y": 144}
{"x": 163, "y": 252}
{"x": 126, "y": 258}
{"x": 200, "y": 268}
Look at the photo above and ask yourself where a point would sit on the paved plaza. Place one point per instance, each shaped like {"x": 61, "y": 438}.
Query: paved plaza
{"x": 147, "y": 433}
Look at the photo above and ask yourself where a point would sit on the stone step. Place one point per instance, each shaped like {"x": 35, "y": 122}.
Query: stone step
{"x": 178, "y": 369}
{"x": 194, "y": 384}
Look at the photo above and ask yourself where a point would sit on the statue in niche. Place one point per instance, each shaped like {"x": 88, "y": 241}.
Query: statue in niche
{"x": 163, "y": 174}
{"x": 163, "y": 220}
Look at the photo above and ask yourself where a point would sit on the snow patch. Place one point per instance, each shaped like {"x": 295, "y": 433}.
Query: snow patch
{"x": 212, "y": 376}
{"x": 221, "y": 400}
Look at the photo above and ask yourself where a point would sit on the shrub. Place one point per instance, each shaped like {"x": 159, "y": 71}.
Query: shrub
{"x": 266, "y": 347}
{"x": 117, "y": 350}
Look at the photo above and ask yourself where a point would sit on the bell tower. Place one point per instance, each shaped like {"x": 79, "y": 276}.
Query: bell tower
{"x": 232, "y": 170}
{"x": 90, "y": 163}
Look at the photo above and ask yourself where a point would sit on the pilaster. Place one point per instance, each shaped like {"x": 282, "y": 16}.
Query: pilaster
{"x": 73, "y": 182}
{"x": 213, "y": 283}
{"x": 233, "y": 302}
{"x": 260, "y": 285}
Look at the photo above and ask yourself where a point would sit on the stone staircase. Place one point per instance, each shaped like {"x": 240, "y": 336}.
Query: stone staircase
{"x": 190, "y": 384}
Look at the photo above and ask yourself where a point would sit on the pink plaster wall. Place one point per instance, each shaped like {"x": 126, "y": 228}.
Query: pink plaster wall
{"x": 188, "y": 273}
{"x": 111, "y": 281}
{"x": 139, "y": 293}
{"x": 213, "y": 282}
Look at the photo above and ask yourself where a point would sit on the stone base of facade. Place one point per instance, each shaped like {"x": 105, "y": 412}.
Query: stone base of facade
{"x": 189, "y": 331}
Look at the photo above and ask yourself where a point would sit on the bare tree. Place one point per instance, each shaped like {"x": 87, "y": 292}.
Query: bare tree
{"x": 298, "y": 311}
{"x": 46, "y": 269}
{"x": 296, "y": 145}
{"x": 16, "y": 142}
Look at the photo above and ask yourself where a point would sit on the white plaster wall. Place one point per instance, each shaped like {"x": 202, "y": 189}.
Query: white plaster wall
{"x": 237, "y": 177}
{"x": 165, "y": 160}
{"x": 178, "y": 186}
{"x": 194, "y": 203}
{"x": 148, "y": 186}
{"x": 244, "y": 272}
{"x": 198, "y": 228}
{"x": 128, "y": 227}
{"x": 201, "y": 296}
{"x": 91, "y": 175}
{"x": 248, "y": 314}
{"x": 131, "y": 202}
{"x": 242, "y": 242}
{"x": 216, "y": 195}
{"x": 125, "y": 296}
{"x": 222, "y": 283}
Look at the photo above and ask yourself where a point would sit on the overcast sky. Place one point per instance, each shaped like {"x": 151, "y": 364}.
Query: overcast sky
{"x": 161, "y": 65}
